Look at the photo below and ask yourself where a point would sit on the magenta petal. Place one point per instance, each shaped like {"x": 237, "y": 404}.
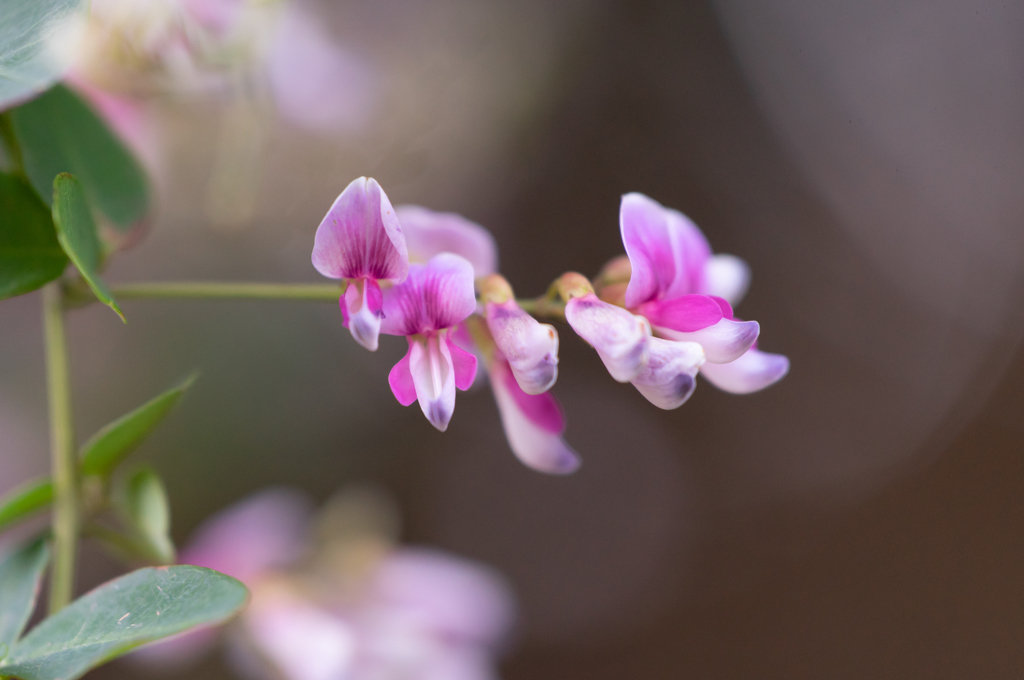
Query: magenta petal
{"x": 400, "y": 379}
{"x": 619, "y": 336}
{"x": 464, "y": 365}
{"x": 753, "y": 371}
{"x": 726, "y": 341}
{"x": 360, "y": 237}
{"x": 435, "y": 296}
{"x": 724, "y": 306}
{"x": 666, "y": 250}
{"x": 533, "y": 424}
{"x": 686, "y": 313}
{"x": 430, "y": 233}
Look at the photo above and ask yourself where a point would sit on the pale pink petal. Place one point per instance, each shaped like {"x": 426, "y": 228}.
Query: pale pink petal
{"x": 430, "y": 362}
{"x": 726, "y": 341}
{"x": 316, "y": 82}
{"x": 360, "y": 236}
{"x": 430, "y": 233}
{"x": 530, "y": 347}
{"x": 464, "y": 365}
{"x": 361, "y": 310}
{"x": 450, "y": 596}
{"x": 264, "y": 531}
{"x": 726, "y": 276}
{"x": 401, "y": 381}
{"x": 686, "y": 313}
{"x": 217, "y": 16}
{"x": 619, "y": 337}
{"x": 435, "y": 296}
{"x": 753, "y": 371}
{"x": 533, "y": 424}
{"x": 669, "y": 376}
{"x": 303, "y": 642}
{"x": 666, "y": 250}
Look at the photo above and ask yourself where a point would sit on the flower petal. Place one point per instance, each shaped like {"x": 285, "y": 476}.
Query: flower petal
{"x": 686, "y": 313}
{"x": 302, "y": 641}
{"x": 669, "y": 376}
{"x": 435, "y": 296}
{"x": 666, "y": 250}
{"x": 316, "y": 82}
{"x": 400, "y": 379}
{"x": 619, "y": 337}
{"x": 464, "y": 365}
{"x": 530, "y": 347}
{"x": 726, "y": 341}
{"x": 753, "y": 371}
{"x": 533, "y": 424}
{"x": 360, "y": 236}
{"x": 726, "y": 276}
{"x": 430, "y": 362}
{"x": 430, "y": 233}
{"x": 361, "y": 309}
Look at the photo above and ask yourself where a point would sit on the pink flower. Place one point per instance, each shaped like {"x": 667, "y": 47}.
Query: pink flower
{"x": 530, "y": 348}
{"x": 434, "y": 298}
{"x": 430, "y": 233}
{"x": 360, "y": 240}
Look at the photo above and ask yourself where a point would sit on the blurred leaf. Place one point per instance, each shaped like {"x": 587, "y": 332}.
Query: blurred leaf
{"x": 30, "y": 255}
{"x": 143, "y": 502}
{"x": 107, "y": 448}
{"x": 20, "y": 574}
{"x": 34, "y": 37}
{"x": 76, "y": 232}
{"x": 58, "y": 132}
{"x": 129, "y": 611}
{"x": 24, "y": 501}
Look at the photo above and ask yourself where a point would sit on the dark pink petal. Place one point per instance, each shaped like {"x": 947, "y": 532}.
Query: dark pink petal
{"x": 530, "y": 347}
{"x": 753, "y": 371}
{"x": 533, "y": 424}
{"x": 430, "y": 233}
{"x": 726, "y": 276}
{"x": 667, "y": 252}
{"x": 724, "y": 305}
{"x": 619, "y": 336}
{"x": 464, "y": 365}
{"x": 401, "y": 381}
{"x": 435, "y": 296}
{"x": 360, "y": 237}
{"x": 686, "y": 313}
{"x": 669, "y": 376}
{"x": 726, "y": 341}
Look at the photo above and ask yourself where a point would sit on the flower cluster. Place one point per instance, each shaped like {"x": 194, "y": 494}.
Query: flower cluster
{"x": 656, "y": 318}
{"x": 334, "y": 598}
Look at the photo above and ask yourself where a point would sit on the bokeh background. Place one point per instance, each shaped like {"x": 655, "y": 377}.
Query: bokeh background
{"x": 862, "y": 519}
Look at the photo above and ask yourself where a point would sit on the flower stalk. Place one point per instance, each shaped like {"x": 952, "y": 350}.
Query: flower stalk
{"x": 62, "y": 450}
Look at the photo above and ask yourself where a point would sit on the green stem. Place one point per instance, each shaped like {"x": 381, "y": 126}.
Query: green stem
{"x": 11, "y": 143}
{"x": 62, "y": 448}
{"x": 543, "y": 307}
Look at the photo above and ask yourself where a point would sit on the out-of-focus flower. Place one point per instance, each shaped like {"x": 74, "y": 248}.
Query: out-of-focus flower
{"x": 434, "y": 298}
{"x": 519, "y": 353}
{"x": 360, "y": 241}
{"x": 351, "y": 605}
{"x": 670, "y": 278}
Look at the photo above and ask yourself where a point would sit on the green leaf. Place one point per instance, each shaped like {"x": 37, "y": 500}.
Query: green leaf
{"x": 30, "y": 255}
{"x": 107, "y": 448}
{"x": 20, "y": 574}
{"x": 140, "y": 607}
{"x": 143, "y": 503}
{"x": 24, "y": 501}
{"x": 34, "y": 40}
{"x": 58, "y": 132}
{"x": 76, "y": 232}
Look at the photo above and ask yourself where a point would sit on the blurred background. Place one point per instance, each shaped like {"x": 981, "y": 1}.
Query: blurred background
{"x": 863, "y": 518}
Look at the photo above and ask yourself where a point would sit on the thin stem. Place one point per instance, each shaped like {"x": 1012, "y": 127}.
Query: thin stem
{"x": 62, "y": 450}
{"x": 543, "y": 307}
{"x": 11, "y": 143}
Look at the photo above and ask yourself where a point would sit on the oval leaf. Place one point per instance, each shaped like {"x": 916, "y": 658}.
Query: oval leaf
{"x": 107, "y": 448}
{"x": 20, "y": 574}
{"x": 76, "y": 232}
{"x": 30, "y": 255}
{"x": 143, "y": 502}
{"x": 25, "y": 501}
{"x": 37, "y": 43}
{"x": 140, "y": 607}
{"x": 58, "y": 132}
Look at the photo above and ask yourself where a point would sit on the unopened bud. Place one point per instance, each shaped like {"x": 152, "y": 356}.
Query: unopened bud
{"x": 615, "y": 271}
{"x": 495, "y": 288}
{"x": 572, "y": 285}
